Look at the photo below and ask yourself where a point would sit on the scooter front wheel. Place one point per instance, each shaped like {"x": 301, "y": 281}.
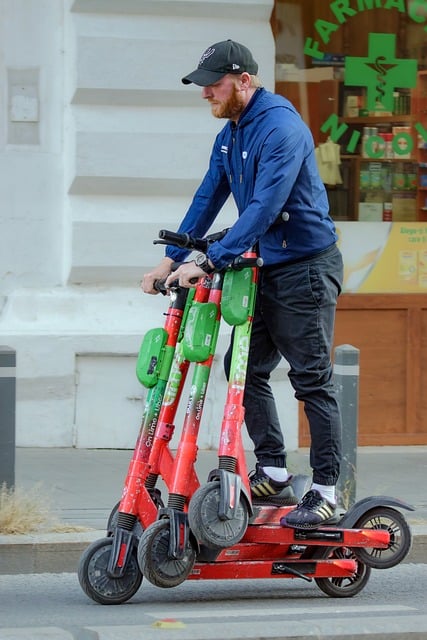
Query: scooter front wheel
{"x": 346, "y": 587}
{"x": 400, "y": 538}
{"x": 208, "y": 528}
{"x": 155, "y": 561}
{"x": 96, "y": 581}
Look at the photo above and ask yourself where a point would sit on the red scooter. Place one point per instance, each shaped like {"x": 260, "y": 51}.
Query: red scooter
{"x": 216, "y": 531}
{"x": 108, "y": 570}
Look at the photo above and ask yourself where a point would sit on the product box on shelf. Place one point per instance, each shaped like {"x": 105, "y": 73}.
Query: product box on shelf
{"x": 402, "y": 139}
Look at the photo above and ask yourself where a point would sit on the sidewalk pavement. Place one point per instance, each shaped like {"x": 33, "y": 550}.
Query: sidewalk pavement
{"x": 82, "y": 486}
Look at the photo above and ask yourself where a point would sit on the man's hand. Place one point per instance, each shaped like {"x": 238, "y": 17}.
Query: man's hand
{"x": 187, "y": 275}
{"x": 159, "y": 273}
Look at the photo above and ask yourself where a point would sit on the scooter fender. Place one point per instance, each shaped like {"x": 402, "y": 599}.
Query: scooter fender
{"x": 231, "y": 486}
{"x": 361, "y": 507}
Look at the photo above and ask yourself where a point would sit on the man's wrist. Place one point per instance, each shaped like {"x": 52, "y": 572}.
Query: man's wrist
{"x": 204, "y": 263}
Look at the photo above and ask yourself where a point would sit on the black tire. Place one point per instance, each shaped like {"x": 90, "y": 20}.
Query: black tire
{"x": 343, "y": 587}
{"x": 112, "y": 519}
{"x": 98, "y": 584}
{"x": 205, "y": 524}
{"x": 400, "y": 538}
{"x": 154, "y": 560}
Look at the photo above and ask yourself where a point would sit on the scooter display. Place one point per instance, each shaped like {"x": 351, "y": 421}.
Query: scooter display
{"x": 216, "y": 530}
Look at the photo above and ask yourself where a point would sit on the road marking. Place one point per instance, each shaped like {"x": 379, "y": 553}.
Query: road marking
{"x": 288, "y": 611}
{"x": 324, "y": 627}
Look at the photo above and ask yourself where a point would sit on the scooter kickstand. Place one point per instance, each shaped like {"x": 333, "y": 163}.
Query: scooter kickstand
{"x": 280, "y": 567}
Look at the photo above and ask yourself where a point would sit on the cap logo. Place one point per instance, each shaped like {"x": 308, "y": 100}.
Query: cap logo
{"x": 236, "y": 66}
{"x": 207, "y": 54}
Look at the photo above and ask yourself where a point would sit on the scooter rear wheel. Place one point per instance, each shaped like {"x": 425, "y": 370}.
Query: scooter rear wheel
{"x": 400, "y": 538}
{"x": 208, "y": 528}
{"x": 342, "y": 587}
{"x": 98, "y": 584}
{"x": 155, "y": 562}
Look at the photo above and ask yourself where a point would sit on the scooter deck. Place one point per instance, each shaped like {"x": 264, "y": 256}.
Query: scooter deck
{"x": 287, "y": 558}
{"x": 280, "y": 568}
{"x": 322, "y": 537}
{"x": 265, "y": 528}
{"x": 269, "y": 550}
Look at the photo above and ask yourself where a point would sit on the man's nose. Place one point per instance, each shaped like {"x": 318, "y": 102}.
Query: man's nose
{"x": 206, "y": 92}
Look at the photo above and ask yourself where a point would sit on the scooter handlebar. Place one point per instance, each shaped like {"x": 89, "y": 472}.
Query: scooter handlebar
{"x": 185, "y": 241}
{"x": 181, "y": 240}
{"x": 241, "y": 262}
{"x": 159, "y": 285}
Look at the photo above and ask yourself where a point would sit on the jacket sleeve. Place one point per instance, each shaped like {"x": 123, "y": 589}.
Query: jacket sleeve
{"x": 207, "y": 202}
{"x": 281, "y": 155}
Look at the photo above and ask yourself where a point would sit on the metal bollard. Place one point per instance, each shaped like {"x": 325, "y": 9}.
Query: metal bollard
{"x": 7, "y": 415}
{"x": 346, "y": 380}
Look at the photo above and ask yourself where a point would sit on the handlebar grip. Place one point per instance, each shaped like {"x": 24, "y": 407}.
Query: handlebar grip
{"x": 159, "y": 285}
{"x": 185, "y": 241}
{"x": 182, "y": 240}
{"x": 178, "y": 239}
{"x": 241, "y": 262}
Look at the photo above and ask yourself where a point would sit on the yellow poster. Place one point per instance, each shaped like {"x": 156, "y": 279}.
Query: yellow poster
{"x": 384, "y": 257}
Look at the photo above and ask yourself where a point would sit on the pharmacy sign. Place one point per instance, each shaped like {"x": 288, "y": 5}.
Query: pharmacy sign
{"x": 380, "y": 72}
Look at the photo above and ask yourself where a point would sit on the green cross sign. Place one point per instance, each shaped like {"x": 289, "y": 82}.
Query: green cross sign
{"x": 381, "y": 73}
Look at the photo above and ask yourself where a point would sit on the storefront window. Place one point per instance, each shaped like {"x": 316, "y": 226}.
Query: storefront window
{"x": 356, "y": 71}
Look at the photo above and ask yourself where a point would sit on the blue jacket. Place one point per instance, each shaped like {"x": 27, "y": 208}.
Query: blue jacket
{"x": 267, "y": 162}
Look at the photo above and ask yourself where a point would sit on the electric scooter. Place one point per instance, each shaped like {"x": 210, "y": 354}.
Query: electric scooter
{"x": 162, "y": 367}
{"x": 224, "y": 535}
{"x": 159, "y": 360}
{"x": 232, "y": 293}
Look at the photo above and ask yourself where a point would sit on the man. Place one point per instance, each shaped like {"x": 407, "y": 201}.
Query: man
{"x": 265, "y": 157}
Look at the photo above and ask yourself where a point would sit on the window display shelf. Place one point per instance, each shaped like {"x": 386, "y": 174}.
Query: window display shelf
{"x": 393, "y": 119}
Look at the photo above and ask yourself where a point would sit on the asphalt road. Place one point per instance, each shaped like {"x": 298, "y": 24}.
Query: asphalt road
{"x": 53, "y": 607}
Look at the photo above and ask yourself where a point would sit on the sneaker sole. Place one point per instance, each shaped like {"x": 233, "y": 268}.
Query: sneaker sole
{"x": 275, "y": 501}
{"x": 332, "y": 520}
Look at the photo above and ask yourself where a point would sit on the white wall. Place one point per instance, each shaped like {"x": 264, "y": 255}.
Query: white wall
{"x": 31, "y": 143}
{"x": 101, "y": 146}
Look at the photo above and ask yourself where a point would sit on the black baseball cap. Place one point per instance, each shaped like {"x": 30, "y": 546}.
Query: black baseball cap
{"x": 218, "y": 60}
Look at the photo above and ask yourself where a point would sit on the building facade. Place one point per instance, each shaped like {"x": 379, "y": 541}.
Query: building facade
{"x": 101, "y": 146}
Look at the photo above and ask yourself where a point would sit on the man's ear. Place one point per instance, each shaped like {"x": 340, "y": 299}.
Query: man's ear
{"x": 245, "y": 80}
